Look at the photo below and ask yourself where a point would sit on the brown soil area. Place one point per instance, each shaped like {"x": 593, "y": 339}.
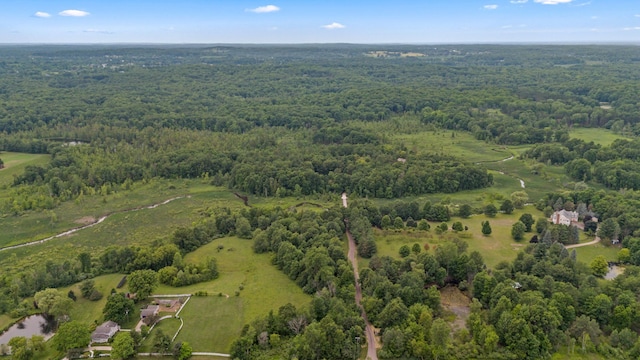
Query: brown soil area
{"x": 172, "y": 309}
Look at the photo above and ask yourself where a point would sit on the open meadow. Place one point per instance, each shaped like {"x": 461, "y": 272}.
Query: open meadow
{"x": 259, "y": 285}
{"x": 14, "y": 164}
{"x": 600, "y": 136}
{"x": 494, "y": 248}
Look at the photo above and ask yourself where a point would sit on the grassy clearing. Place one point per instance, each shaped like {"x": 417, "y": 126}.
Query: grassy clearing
{"x": 212, "y": 323}
{"x": 138, "y": 227}
{"x": 41, "y": 224}
{"x": 586, "y": 254}
{"x": 14, "y": 164}
{"x": 497, "y": 247}
{"x": 547, "y": 179}
{"x": 455, "y": 143}
{"x": 90, "y": 312}
{"x": 494, "y": 248}
{"x": 265, "y": 288}
{"x": 599, "y": 136}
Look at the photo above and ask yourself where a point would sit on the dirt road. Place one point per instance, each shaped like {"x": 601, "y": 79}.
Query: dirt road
{"x": 369, "y": 330}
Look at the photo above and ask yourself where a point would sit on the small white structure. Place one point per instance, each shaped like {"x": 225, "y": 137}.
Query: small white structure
{"x": 564, "y": 217}
{"x": 104, "y": 332}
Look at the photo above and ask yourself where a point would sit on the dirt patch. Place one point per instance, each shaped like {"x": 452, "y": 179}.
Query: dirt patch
{"x": 85, "y": 220}
{"x": 455, "y": 301}
{"x": 169, "y": 305}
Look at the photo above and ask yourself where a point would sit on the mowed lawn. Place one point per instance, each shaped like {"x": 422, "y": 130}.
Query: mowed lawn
{"x": 90, "y": 312}
{"x": 14, "y": 164}
{"x": 497, "y": 247}
{"x": 214, "y": 321}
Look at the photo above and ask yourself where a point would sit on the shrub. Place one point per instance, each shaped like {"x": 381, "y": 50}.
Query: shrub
{"x": 122, "y": 282}
{"x": 95, "y": 295}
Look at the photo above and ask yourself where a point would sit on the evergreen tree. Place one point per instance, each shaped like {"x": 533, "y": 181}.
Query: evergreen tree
{"x": 486, "y": 228}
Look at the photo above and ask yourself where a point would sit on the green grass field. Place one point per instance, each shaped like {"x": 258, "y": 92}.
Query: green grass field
{"x": 497, "y": 247}
{"x": 88, "y": 311}
{"x": 138, "y": 227}
{"x": 265, "y": 288}
{"x": 212, "y": 323}
{"x": 586, "y": 254}
{"x": 599, "y": 136}
{"x": 14, "y": 164}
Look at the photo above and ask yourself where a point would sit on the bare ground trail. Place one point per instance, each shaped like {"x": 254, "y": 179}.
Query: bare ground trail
{"x": 369, "y": 330}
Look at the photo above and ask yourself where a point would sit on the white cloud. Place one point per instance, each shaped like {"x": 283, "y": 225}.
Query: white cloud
{"x": 74, "y": 13}
{"x": 334, "y": 26}
{"x": 584, "y": 4}
{"x": 518, "y": 1}
{"x": 552, "y": 2}
{"x": 264, "y": 9}
{"x": 507, "y": 26}
{"x": 594, "y": 17}
{"x": 97, "y": 31}
{"x": 637, "y": 15}
{"x": 632, "y": 28}
{"x": 42, "y": 14}
{"x": 491, "y": 7}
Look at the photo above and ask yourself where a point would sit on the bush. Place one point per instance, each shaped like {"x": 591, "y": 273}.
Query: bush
{"x": 404, "y": 251}
{"x": 95, "y": 295}
{"x": 490, "y": 210}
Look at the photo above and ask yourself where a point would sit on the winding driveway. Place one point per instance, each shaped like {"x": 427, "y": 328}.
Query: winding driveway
{"x": 593, "y": 242}
{"x": 101, "y": 219}
{"x": 369, "y": 330}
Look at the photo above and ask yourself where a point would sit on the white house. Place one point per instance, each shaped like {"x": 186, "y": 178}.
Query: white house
{"x": 564, "y": 217}
{"x": 104, "y": 332}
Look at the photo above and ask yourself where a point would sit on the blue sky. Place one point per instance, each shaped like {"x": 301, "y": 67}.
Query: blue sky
{"x": 327, "y": 21}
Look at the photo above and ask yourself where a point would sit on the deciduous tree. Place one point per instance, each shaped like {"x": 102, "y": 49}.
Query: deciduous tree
{"x": 142, "y": 283}
{"x": 123, "y": 346}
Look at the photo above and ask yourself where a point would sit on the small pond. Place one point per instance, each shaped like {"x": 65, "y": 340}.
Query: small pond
{"x": 29, "y": 326}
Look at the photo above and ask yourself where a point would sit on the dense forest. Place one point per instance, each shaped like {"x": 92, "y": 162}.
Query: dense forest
{"x": 302, "y": 121}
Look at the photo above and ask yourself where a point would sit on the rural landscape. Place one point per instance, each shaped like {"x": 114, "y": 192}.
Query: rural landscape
{"x": 319, "y": 202}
